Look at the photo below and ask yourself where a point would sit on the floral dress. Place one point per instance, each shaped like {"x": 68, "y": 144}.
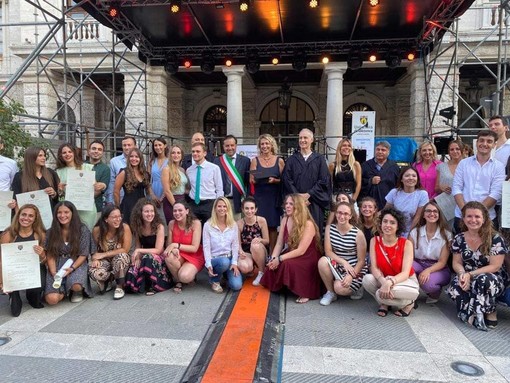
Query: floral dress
{"x": 486, "y": 287}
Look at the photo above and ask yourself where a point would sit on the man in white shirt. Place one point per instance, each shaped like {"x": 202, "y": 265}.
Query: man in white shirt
{"x": 499, "y": 126}
{"x": 8, "y": 169}
{"x": 479, "y": 178}
{"x": 205, "y": 182}
{"x": 118, "y": 163}
{"x": 187, "y": 160}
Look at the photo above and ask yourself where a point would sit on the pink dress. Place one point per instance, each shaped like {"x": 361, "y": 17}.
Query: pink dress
{"x": 428, "y": 178}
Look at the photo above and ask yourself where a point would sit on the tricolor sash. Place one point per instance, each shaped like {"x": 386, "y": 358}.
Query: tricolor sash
{"x": 233, "y": 174}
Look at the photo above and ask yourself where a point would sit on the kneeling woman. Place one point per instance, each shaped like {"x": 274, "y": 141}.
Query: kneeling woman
{"x": 294, "y": 259}
{"x": 221, "y": 246}
{"x": 27, "y": 225}
{"x": 68, "y": 238}
{"x": 184, "y": 254}
{"x": 254, "y": 235}
{"x": 392, "y": 281}
{"x": 478, "y": 255}
{"x": 431, "y": 241}
{"x": 110, "y": 259}
{"x": 343, "y": 267}
{"x": 148, "y": 273}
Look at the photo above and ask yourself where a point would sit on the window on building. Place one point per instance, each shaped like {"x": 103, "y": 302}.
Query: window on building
{"x": 358, "y": 107}
{"x": 215, "y": 121}
{"x": 66, "y": 128}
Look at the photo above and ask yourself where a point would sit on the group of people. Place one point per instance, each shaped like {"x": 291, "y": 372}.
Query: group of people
{"x": 156, "y": 227}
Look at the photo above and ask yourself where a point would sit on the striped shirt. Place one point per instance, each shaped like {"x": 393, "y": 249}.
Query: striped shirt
{"x": 344, "y": 245}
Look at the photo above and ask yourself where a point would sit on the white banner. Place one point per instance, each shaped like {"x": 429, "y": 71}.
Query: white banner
{"x": 363, "y": 132}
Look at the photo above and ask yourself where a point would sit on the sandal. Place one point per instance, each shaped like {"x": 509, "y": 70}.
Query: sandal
{"x": 382, "y": 312}
{"x": 402, "y": 313}
{"x": 118, "y": 294}
{"x": 178, "y": 288}
{"x": 216, "y": 287}
{"x": 302, "y": 300}
{"x": 150, "y": 293}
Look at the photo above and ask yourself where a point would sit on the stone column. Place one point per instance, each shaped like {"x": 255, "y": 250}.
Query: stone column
{"x": 157, "y": 94}
{"x": 335, "y": 102}
{"x": 234, "y": 99}
{"x": 135, "y": 101}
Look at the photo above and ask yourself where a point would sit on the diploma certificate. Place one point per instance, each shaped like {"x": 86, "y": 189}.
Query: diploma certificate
{"x": 40, "y": 199}
{"x": 5, "y": 212}
{"x": 80, "y": 189}
{"x": 20, "y": 266}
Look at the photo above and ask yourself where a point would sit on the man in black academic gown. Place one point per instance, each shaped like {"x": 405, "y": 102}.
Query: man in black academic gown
{"x": 306, "y": 173}
{"x": 379, "y": 175}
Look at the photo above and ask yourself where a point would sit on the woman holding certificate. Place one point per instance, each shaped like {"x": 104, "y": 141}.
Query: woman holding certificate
{"x": 67, "y": 250}
{"x": 36, "y": 176}
{"x": 68, "y": 159}
{"x": 27, "y": 225}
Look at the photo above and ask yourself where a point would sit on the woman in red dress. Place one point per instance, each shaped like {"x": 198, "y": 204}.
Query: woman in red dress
{"x": 185, "y": 257}
{"x": 294, "y": 258}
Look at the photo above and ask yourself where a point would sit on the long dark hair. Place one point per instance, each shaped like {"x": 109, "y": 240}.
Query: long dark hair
{"x": 102, "y": 241}
{"x": 78, "y": 161}
{"x": 400, "y": 184}
{"x": 55, "y": 237}
{"x": 441, "y": 223}
{"x": 154, "y": 155}
{"x": 188, "y": 224}
{"x": 137, "y": 218}
{"x": 29, "y": 181}
{"x": 131, "y": 181}
{"x": 486, "y": 232}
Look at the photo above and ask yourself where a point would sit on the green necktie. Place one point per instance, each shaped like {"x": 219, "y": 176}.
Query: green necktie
{"x": 197, "y": 186}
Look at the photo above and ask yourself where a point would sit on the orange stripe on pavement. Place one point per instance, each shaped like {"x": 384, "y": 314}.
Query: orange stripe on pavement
{"x": 235, "y": 357}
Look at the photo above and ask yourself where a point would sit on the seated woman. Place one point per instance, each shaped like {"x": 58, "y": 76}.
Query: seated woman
{"x": 221, "y": 246}
{"x": 111, "y": 245}
{"x": 294, "y": 259}
{"x": 254, "y": 239}
{"x": 184, "y": 254}
{"x": 392, "y": 281}
{"x": 478, "y": 256}
{"x": 431, "y": 242}
{"x": 68, "y": 238}
{"x": 26, "y": 225}
{"x": 148, "y": 273}
{"x": 343, "y": 267}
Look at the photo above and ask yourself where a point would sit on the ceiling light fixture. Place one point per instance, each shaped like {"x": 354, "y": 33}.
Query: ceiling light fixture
{"x": 325, "y": 59}
{"x": 244, "y": 5}
{"x": 187, "y": 63}
{"x": 372, "y": 58}
{"x": 113, "y": 12}
{"x": 313, "y": 3}
{"x": 275, "y": 60}
{"x": 175, "y": 6}
{"x": 373, "y": 3}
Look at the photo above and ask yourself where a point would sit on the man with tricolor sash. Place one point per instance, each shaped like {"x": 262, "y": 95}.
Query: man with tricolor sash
{"x": 235, "y": 173}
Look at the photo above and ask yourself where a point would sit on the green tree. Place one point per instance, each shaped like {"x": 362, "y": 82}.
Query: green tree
{"x": 15, "y": 139}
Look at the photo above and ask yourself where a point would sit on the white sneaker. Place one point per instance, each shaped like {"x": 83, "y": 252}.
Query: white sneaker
{"x": 357, "y": 294}
{"x": 77, "y": 297}
{"x": 328, "y": 298}
{"x": 256, "y": 281}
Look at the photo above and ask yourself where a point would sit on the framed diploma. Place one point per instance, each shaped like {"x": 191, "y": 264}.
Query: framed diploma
{"x": 80, "y": 189}
{"x": 5, "y": 212}
{"x": 20, "y": 266}
{"x": 40, "y": 199}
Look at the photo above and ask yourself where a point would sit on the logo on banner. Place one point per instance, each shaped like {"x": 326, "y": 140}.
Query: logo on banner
{"x": 363, "y": 121}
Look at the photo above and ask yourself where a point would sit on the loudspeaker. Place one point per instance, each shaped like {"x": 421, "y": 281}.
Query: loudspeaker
{"x": 442, "y": 144}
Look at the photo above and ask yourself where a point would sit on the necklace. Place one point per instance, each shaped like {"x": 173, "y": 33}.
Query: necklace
{"x": 266, "y": 160}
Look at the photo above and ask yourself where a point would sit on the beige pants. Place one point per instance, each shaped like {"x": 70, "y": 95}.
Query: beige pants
{"x": 404, "y": 293}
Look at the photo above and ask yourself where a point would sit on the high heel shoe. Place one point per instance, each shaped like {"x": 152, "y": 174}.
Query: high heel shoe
{"x": 402, "y": 313}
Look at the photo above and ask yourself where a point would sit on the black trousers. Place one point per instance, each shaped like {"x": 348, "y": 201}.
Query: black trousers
{"x": 203, "y": 210}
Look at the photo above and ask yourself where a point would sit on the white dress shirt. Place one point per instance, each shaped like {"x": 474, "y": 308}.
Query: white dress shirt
{"x": 502, "y": 153}
{"x": 211, "y": 185}
{"x": 8, "y": 169}
{"x": 219, "y": 243}
{"x": 428, "y": 250}
{"x": 477, "y": 182}
{"x": 116, "y": 164}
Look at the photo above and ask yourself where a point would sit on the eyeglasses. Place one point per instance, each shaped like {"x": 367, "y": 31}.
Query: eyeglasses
{"x": 430, "y": 211}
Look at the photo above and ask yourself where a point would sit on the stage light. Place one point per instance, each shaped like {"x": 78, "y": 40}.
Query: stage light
{"x": 393, "y": 60}
{"x": 244, "y": 5}
{"x": 187, "y": 64}
{"x": 299, "y": 61}
{"x": 372, "y": 58}
{"x": 207, "y": 64}
{"x": 171, "y": 63}
{"x": 252, "y": 62}
{"x": 325, "y": 59}
{"x": 275, "y": 60}
{"x": 354, "y": 61}
{"x": 228, "y": 62}
{"x": 313, "y": 3}
{"x": 113, "y": 12}
{"x": 411, "y": 56}
{"x": 175, "y": 6}
{"x": 373, "y": 3}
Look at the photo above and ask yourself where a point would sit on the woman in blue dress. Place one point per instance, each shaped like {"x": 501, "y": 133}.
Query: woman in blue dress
{"x": 157, "y": 162}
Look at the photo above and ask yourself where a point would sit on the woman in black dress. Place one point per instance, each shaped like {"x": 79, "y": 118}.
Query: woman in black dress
{"x": 345, "y": 171}
{"x": 136, "y": 182}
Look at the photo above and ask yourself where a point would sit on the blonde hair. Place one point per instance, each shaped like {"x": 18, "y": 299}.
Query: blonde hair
{"x": 300, "y": 217}
{"x": 350, "y": 159}
{"x": 425, "y": 143}
{"x": 272, "y": 141}
{"x": 173, "y": 170}
{"x": 229, "y": 220}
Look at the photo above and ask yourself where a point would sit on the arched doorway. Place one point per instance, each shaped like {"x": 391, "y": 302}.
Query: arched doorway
{"x": 287, "y": 124}
{"x": 215, "y": 121}
{"x": 358, "y": 107}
